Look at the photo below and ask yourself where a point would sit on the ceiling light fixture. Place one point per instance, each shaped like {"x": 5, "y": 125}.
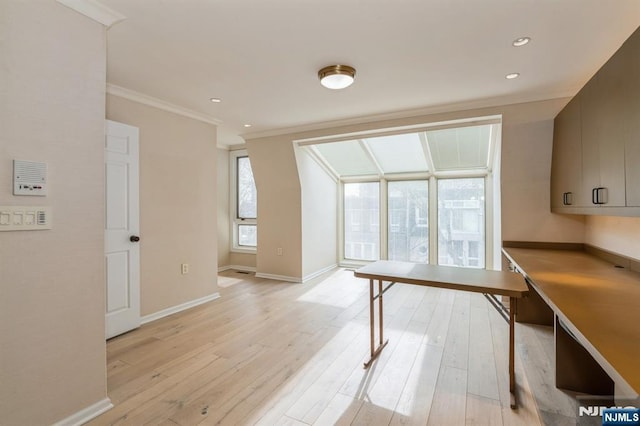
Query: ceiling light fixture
{"x": 216, "y": 100}
{"x": 512, "y": 75}
{"x": 521, "y": 41}
{"x": 337, "y": 76}
{"x": 247, "y": 125}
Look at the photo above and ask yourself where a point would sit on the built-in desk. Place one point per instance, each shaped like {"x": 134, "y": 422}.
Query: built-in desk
{"x": 594, "y": 302}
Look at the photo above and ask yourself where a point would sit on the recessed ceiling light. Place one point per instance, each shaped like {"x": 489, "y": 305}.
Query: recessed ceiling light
{"x": 521, "y": 41}
{"x": 216, "y": 100}
{"x": 247, "y": 125}
{"x": 512, "y": 75}
{"x": 337, "y": 76}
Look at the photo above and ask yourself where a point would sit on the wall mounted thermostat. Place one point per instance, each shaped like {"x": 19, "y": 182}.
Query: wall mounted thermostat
{"x": 29, "y": 178}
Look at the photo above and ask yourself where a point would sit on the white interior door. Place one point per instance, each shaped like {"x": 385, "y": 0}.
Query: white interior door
{"x": 122, "y": 227}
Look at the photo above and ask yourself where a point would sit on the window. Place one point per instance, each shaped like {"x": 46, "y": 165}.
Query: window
{"x": 408, "y": 235}
{"x": 247, "y": 194}
{"x": 244, "y": 203}
{"x": 362, "y": 221}
{"x": 461, "y": 222}
{"x": 427, "y": 193}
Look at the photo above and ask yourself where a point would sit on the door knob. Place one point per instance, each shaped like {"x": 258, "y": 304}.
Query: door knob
{"x": 134, "y": 238}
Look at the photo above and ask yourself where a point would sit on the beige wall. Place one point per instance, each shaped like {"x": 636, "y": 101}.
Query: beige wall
{"x": 223, "y": 208}
{"x": 279, "y": 207}
{"x": 527, "y": 140}
{"x": 242, "y": 261}
{"x": 178, "y": 204}
{"x": 616, "y": 234}
{"x": 52, "y": 303}
{"x": 526, "y": 172}
{"x": 319, "y": 215}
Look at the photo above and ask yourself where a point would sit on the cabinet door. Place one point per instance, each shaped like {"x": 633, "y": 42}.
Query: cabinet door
{"x": 632, "y": 108}
{"x": 566, "y": 161}
{"x": 603, "y": 132}
{"x": 591, "y": 134}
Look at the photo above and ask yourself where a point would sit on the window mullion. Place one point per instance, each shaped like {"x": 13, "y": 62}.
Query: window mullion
{"x": 372, "y": 158}
{"x": 433, "y": 220}
{"x": 384, "y": 219}
{"x": 489, "y": 223}
{"x": 426, "y": 151}
{"x": 340, "y": 219}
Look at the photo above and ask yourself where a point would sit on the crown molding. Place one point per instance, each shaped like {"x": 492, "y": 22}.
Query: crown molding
{"x": 95, "y": 10}
{"x": 141, "y": 98}
{"x": 437, "y": 109}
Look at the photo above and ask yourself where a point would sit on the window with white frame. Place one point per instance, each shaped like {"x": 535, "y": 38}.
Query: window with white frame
{"x": 461, "y": 222}
{"x": 421, "y": 195}
{"x": 361, "y": 221}
{"x": 408, "y": 230}
{"x": 244, "y": 203}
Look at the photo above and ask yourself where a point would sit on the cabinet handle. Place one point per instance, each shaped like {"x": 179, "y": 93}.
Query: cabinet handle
{"x": 598, "y": 196}
{"x": 601, "y": 196}
{"x": 566, "y": 198}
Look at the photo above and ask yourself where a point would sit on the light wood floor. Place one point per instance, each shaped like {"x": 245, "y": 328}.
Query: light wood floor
{"x": 274, "y": 353}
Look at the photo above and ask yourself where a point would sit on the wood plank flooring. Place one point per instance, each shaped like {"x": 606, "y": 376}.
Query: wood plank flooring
{"x": 274, "y": 353}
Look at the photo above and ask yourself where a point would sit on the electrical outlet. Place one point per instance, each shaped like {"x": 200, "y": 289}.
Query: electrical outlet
{"x": 279, "y": 251}
{"x": 185, "y": 268}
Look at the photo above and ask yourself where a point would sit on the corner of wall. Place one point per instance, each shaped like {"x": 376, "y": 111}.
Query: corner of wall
{"x": 279, "y": 207}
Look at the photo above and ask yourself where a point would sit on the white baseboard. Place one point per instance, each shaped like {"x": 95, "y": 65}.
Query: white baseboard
{"x": 86, "y": 414}
{"x": 178, "y": 308}
{"x": 318, "y": 273}
{"x": 279, "y": 277}
{"x": 237, "y": 268}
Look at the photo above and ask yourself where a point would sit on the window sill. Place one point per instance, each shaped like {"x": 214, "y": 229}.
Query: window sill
{"x": 243, "y": 250}
{"x": 354, "y": 264}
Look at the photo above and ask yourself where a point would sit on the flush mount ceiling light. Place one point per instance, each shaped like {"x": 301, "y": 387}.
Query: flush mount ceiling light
{"x": 521, "y": 41}
{"x": 512, "y": 75}
{"x": 216, "y": 100}
{"x": 337, "y": 76}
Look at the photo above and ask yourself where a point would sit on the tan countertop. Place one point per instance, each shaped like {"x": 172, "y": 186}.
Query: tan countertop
{"x": 598, "y": 302}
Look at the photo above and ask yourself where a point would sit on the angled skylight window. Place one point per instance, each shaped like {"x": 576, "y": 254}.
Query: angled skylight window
{"x": 448, "y": 148}
{"x": 398, "y": 153}
{"x": 460, "y": 148}
{"x": 347, "y": 158}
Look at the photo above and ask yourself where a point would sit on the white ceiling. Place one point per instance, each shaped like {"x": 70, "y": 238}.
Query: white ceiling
{"x": 262, "y": 56}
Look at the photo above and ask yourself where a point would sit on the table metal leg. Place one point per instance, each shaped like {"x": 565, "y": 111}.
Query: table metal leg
{"x": 380, "y": 308}
{"x": 372, "y": 319}
{"x": 382, "y": 343}
{"x": 512, "y": 342}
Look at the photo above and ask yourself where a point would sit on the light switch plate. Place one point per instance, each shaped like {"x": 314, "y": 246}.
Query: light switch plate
{"x": 25, "y": 218}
